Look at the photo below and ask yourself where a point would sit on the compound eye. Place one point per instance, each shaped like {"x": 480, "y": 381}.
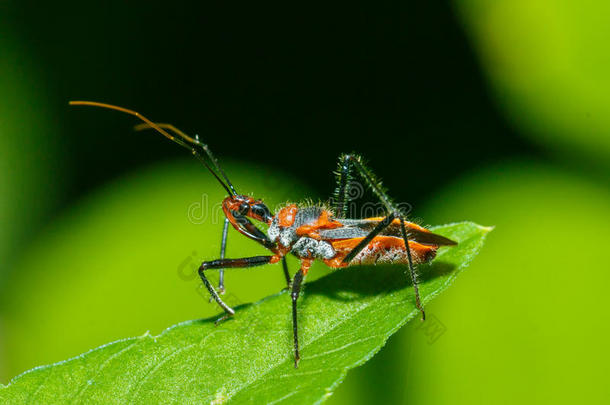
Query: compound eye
{"x": 261, "y": 211}
{"x": 244, "y": 208}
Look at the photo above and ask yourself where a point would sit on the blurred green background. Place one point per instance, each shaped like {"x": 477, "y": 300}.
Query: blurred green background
{"x": 496, "y": 112}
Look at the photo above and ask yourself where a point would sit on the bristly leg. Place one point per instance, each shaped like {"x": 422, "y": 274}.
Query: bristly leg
{"x": 383, "y": 224}
{"x": 412, "y": 270}
{"x": 346, "y": 163}
{"x": 343, "y": 178}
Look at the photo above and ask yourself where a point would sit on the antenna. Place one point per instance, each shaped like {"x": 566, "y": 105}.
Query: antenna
{"x": 182, "y": 139}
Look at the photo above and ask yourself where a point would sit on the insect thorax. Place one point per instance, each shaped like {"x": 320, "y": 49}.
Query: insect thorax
{"x": 302, "y": 246}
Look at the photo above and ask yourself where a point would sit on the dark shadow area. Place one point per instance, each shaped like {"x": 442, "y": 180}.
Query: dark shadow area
{"x": 434, "y": 270}
{"x": 373, "y": 280}
{"x": 363, "y": 280}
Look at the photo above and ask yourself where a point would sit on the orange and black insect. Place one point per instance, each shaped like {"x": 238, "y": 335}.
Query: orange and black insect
{"x": 308, "y": 232}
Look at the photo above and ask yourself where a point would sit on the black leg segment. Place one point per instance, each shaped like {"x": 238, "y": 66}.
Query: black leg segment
{"x": 412, "y": 270}
{"x": 228, "y": 263}
{"x": 351, "y": 161}
{"x": 296, "y": 289}
{"x": 384, "y": 223}
{"x": 286, "y": 272}
{"x": 346, "y": 164}
{"x": 223, "y": 250}
{"x": 341, "y": 192}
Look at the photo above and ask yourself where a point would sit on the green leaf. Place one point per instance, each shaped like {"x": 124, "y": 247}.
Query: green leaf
{"x": 345, "y": 318}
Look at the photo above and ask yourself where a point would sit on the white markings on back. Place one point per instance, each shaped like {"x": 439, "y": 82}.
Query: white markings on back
{"x": 301, "y": 246}
{"x": 311, "y": 248}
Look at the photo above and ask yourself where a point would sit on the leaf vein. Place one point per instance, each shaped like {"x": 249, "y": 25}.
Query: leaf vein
{"x": 80, "y": 393}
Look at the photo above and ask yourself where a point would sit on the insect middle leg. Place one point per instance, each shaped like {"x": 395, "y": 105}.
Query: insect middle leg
{"x": 296, "y": 290}
{"x": 228, "y": 263}
{"x": 346, "y": 164}
{"x": 286, "y": 272}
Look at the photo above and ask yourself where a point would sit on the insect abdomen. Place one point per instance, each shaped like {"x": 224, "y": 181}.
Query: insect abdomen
{"x": 381, "y": 250}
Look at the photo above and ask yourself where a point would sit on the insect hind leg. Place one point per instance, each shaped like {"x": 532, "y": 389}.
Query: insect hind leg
{"x": 412, "y": 271}
{"x": 343, "y": 178}
{"x": 349, "y": 162}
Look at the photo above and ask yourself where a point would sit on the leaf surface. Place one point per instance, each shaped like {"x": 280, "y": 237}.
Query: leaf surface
{"x": 344, "y": 319}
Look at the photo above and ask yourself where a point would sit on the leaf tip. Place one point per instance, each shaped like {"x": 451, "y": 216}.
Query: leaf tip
{"x": 486, "y": 229}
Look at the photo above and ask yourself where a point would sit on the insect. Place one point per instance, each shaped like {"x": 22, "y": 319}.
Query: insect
{"x": 311, "y": 232}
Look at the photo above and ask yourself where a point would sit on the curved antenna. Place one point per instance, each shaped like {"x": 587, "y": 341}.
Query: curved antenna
{"x": 194, "y": 141}
{"x": 183, "y": 140}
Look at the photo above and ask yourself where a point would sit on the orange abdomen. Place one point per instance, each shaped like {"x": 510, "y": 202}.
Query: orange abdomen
{"x": 381, "y": 250}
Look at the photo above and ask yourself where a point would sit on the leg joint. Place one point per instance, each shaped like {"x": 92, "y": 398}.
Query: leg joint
{"x": 203, "y": 267}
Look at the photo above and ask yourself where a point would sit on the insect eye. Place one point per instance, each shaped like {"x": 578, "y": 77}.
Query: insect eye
{"x": 261, "y": 211}
{"x": 244, "y": 208}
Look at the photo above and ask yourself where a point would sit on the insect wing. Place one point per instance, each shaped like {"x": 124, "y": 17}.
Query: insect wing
{"x": 359, "y": 228}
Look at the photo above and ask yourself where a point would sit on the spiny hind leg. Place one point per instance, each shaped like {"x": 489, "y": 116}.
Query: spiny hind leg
{"x": 352, "y": 162}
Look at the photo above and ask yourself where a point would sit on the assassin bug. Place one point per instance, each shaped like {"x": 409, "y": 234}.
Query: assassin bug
{"x": 309, "y": 232}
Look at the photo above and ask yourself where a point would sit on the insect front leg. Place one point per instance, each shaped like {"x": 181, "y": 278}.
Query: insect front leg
{"x": 246, "y": 227}
{"x": 223, "y": 249}
{"x": 228, "y": 263}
